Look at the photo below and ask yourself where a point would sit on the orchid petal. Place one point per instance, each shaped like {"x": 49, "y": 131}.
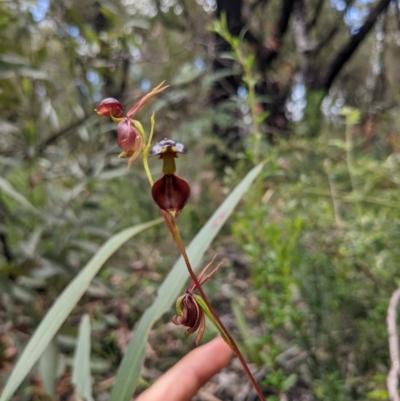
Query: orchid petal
{"x": 158, "y": 89}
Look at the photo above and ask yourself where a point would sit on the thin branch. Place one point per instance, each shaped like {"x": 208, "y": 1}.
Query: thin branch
{"x": 326, "y": 39}
{"x": 267, "y": 55}
{"x": 392, "y": 378}
{"x": 300, "y": 27}
{"x": 3, "y": 236}
{"x": 124, "y": 79}
{"x": 310, "y": 24}
{"x": 351, "y": 46}
{"x": 334, "y": 30}
{"x": 303, "y": 45}
{"x": 380, "y": 84}
{"x": 6, "y": 249}
{"x": 334, "y": 194}
{"x": 63, "y": 132}
{"x": 368, "y": 273}
{"x": 169, "y": 23}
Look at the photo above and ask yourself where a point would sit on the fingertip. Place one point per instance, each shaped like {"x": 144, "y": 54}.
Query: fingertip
{"x": 182, "y": 381}
{"x": 220, "y": 348}
{"x": 210, "y": 358}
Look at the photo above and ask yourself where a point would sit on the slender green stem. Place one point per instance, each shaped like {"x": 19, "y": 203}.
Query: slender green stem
{"x": 147, "y": 170}
{"x": 334, "y": 193}
{"x": 173, "y": 228}
{"x": 168, "y": 223}
{"x": 349, "y": 156}
{"x": 146, "y": 151}
{"x": 152, "y": 120}
{"x": 210, "y": 316}
{"x": 252, "y": 103}
{"x": 350, "y": 164}
{"x": 251, "y": 99}
{"x": 231, "y": 342}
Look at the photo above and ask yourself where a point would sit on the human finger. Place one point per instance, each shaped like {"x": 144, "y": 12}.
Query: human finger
{"x": 183, "y": 380}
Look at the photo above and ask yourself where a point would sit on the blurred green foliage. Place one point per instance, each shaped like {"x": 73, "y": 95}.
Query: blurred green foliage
{"x": 322, "y": 274}
{"x": 316, "y": 232}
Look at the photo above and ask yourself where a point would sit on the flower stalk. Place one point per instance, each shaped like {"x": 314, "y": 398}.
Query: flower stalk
{"x": 147, "y": 148}
{"x": 215, "y": 318}
{"x": 170, "y": 193}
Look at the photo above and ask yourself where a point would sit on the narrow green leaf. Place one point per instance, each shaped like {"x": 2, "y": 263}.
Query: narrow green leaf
{"x": 81, "y": 377}
{"x": 210, "y": 316}
{"x": 247, "y": 345}
{"x": 130, "y": 367}
{"x": 63, "y": 306}
{"x": 48, "y": 366}
{"x": 9, "y": 190}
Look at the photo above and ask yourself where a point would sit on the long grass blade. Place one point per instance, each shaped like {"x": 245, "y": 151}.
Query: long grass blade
{"x": 81, "y": 377}
{"x": 48, "y": 366}
{"x": 63, "y": 306}
{"x": 9, "y": 190}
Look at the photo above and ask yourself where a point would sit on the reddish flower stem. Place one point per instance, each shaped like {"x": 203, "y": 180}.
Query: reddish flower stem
{"x": 171, "y": 223}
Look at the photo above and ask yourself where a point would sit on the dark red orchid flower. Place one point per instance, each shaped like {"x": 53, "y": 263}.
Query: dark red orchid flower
{"x": 189, "y": 312}
{"x": 171, "y": 193}
{"x": 110, "y": 108}
{"x": 190, "y": 315}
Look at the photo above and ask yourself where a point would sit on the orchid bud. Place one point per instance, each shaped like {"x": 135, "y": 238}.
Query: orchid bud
{"x": 110, "y": 108}
{"x": 129, "y": 140}
{"x": 171, "y": 193}
{"x": 128, "y": 137}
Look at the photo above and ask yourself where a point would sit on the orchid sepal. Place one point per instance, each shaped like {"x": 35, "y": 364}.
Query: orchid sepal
{"x": 202, "y": 305}
{"x": 135, "y": 108}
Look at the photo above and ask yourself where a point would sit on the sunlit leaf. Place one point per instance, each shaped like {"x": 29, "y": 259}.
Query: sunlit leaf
{"x": 48, "y": 366}
{"x": 9, "y": 190}
{"x": 81, "y": 377}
